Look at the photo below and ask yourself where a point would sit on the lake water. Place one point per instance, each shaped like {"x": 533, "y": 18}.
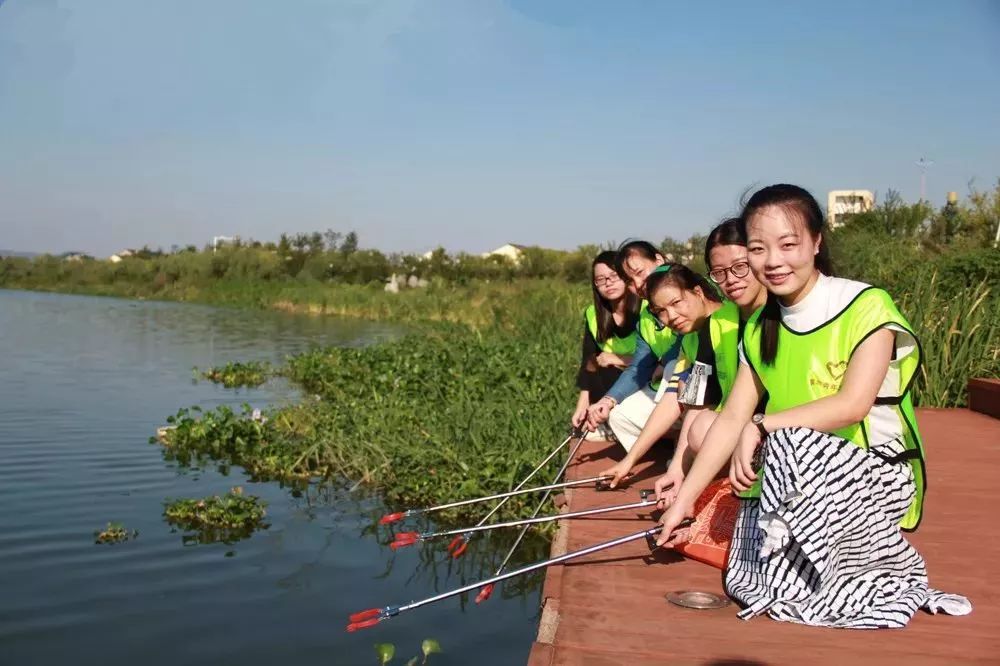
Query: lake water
{"x": 85, "y": 382}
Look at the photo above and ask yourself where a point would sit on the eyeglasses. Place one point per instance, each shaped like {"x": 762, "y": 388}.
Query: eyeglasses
{"x": 605, "y": 281}
{"x": 739, "y": 270}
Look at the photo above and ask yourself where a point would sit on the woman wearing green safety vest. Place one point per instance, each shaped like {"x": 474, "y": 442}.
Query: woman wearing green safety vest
{"x": 686, "y": 303}
{"x": 715, "y": 347}
{"x": 834, "y": 468}
{"x": 630, "y": 401}
{"x": 608, "y": 335}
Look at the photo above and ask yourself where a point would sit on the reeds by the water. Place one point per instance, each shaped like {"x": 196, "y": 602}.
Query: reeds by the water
{"x": 959, "y": 333}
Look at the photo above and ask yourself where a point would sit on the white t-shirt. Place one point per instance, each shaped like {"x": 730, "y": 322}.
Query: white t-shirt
{"x": 828, "y": 298}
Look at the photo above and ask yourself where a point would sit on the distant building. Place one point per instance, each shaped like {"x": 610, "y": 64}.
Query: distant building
{"x": 510, "y": 250}
{"x": 219, "y": 241}
{"x": 127, "y": 252}
{"x": 842, "y": 203}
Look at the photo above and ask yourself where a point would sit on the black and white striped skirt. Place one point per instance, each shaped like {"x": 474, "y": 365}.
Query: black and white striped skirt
{"x": 823, "y": 545}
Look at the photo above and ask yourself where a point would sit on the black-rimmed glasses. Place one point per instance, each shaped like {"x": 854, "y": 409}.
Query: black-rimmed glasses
{"x": 606, "y": 280}
{"x": 739, "y": 270}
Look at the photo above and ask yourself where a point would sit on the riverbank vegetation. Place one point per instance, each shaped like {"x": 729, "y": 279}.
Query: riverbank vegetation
{"x": 477, "y": 392}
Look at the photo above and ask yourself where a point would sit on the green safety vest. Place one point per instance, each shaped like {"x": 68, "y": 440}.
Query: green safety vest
{"x": 724, "y": 328}
{"x": 659, "y": 338}
{"x": 811, "y": 365}
{"x": 623, "y": 346}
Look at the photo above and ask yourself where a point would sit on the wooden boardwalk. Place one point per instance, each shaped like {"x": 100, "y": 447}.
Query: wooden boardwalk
{"x": 609, "y": 608}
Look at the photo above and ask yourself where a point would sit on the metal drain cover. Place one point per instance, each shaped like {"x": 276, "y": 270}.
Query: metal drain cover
{"x": 695, "y": 599}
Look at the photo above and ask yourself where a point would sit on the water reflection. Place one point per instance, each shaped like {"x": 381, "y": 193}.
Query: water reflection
{"x": 429, "y": 563}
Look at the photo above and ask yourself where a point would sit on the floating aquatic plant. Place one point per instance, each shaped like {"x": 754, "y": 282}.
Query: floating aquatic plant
{"x": 234, "y": 375}
{"x": 386, "y": 651}
{"x": 248, "y": 439}
{"x": 114, "y": 533}
{"x": 226, "y": 518}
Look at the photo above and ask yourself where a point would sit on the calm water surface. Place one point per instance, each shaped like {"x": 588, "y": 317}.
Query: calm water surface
{"x": 85, "y": 382}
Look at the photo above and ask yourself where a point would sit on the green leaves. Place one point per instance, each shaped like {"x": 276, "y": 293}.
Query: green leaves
{"x": 429, "y": 647}
{"x": 114, "y": 533}
{"x": 233, "y": 375}
{"x": 227, "y": 518}
{"x": 385, "y": 652}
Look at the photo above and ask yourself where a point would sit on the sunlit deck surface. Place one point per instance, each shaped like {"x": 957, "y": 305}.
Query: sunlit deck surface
{"x": 609, "y": 608}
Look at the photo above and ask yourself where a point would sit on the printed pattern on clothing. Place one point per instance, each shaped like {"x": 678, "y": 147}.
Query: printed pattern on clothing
{"x": 823, "y": 545}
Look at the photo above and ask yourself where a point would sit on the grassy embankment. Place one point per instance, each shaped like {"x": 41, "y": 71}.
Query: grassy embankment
{"x": 464, "y": 405}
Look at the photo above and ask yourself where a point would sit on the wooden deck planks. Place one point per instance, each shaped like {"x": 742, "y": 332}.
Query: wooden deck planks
{"x": 609, "y": 608}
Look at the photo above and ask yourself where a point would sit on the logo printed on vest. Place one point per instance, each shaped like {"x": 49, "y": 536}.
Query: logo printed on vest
{"x": 836, "y": 370}
{"x": 832, "y": 382}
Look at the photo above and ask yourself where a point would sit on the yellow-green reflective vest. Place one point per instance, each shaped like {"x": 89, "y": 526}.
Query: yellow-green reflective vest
{"x": 723, "y": 326}
{"x": 659, "y": 338}
{"x": 811, "y": 365}
{"x": 623, "y": 346}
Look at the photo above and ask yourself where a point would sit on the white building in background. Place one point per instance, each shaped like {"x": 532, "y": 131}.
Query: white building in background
{"x": 511, "y": 251}
{"x": 841, "y": 203}
{"x": 220, "y": 241}
{"x": 127, "y": 252}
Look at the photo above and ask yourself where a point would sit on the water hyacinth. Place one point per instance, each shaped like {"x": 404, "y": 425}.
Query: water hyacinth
{"x": 114, "y": 533}
{"x": 234, "y": 375}
{"x": 226, "y": 518}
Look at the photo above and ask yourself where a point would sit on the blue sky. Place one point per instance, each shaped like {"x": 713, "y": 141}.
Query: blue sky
{"x": 470, "y": 123}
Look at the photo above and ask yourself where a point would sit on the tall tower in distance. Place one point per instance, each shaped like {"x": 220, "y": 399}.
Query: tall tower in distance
{"x": 924, "y": 165}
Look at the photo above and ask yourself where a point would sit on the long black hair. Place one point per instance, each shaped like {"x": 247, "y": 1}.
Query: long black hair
{"x": 729, "y": 232}
{"x": 798, "y": 202}
{"x": 681, "y": 277}
{"x": 605, "y": 311}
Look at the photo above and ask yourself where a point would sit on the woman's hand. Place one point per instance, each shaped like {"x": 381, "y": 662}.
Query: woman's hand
{"x": 668, "y": 485}
{"x": 671, "y": 520}
{"x": 618, "y": 472}
{"x": 598, "y": 412}
{"x": 610, "y": 360}
{"x": 579, "y": 416}
{"x": 741, "y": 472}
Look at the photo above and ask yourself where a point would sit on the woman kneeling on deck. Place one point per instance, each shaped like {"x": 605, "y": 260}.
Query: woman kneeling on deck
{"x": 834, "y": 469}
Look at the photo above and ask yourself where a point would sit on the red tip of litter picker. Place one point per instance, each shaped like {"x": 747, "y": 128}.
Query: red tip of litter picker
{"x": 407, "y": 536}
{"x": 457, "y": 553}
{"x": 402, "y": 543}
{"x": 391, "y": 518}
{"x": 454, "y": 542}
{"x": 365, "y": 615}
{"x": 484, "y": 593}
{"x": 354, "y": 626}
